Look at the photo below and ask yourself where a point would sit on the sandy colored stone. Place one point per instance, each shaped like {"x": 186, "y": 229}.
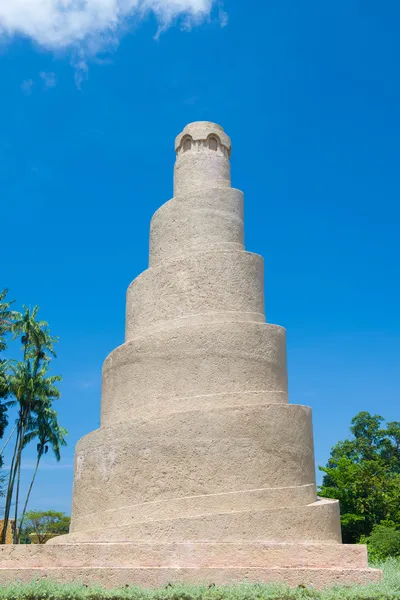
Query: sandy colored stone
{"x": 207, "y": 284}
{"x": 187, "y": 555}
{"x": 201, "y": 470}
{"x": 192, "y": 360}
{"x": 112, "y": 577}
{"x": 9, "y": 534}
{"x": 155, "y": 564}
{"x": 169, "y": 462}
{"x": 195, "y": 222}
{"x": 197, "y": 165}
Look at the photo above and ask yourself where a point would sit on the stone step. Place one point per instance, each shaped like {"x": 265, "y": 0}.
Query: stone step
{"x": 314, "y": 523}
{"x": 112, "y": 577}
{"x": 184, "y": 555}
{"x": 198, "y": 506}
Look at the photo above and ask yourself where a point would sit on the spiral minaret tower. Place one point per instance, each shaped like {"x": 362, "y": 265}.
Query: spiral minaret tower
{"x": 197, "y": 439}
{"x": 201, "y": 469}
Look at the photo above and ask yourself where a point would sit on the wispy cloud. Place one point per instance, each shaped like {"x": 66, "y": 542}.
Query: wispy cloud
{"x": 91, "y": 25}
{"x": 223, "y": 18}
{"x": 30, "y": 465}
{"x": 26, "y": 86}
{"x": 49, "y": 79}
{"x": 85, "y": 385}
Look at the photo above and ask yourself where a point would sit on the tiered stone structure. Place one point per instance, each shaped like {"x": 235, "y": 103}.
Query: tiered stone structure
{"x": 201, "y": 470}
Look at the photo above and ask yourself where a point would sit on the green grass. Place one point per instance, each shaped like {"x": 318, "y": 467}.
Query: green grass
{"x": 388, "y": 589}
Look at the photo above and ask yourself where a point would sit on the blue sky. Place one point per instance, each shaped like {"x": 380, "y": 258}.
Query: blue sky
{"x": 310, "y": 94}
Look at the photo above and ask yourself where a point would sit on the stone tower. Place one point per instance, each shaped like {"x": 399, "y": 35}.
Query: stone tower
{"x": 197, "y": 439}
{"x": 201, "y": 469}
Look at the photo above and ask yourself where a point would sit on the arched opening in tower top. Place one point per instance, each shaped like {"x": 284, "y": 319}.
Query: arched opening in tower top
{"x": 213, "y": 143}
{"x": 187, "y": 144}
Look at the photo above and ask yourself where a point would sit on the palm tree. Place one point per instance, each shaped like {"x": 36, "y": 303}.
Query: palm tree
{"x": 35, "y": 393}
{"x": 7, "y": 318}
{"x": 32, "y": 390}
{"x": 45, "y": 428}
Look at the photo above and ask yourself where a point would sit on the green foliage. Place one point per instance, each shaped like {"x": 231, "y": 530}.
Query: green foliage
{"x": 43, "y": 523}
{"x": 389, "y": 589}
{"x": 6, "y": 320}
{"x": 32, "y": 391}
{"x": 384, "y": 541}
{"x": 2, "y": 483}
{"x": 7, "y": 317}
{"x": 43, "y": 427}
{"x": 363, "y": 472}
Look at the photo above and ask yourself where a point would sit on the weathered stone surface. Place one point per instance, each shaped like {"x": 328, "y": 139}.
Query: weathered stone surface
{"x": 202, "y": 158}
{"x": 197, "y": 221}
{"x": 156, "y": 564}
{"x": 217, "y": 285}
{"x": 154, "y": 371}
{"x": 201, "y": 470}
{"x": 187, "y": 555}
{"x": 111, "y": 577}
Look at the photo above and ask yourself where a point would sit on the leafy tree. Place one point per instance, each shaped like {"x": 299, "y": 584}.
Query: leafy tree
{"x": 32, "y": 389}
{"x": 363, "y": 473}
{"x": 45, "y": 524}
{"x": 384, "y": 541}
{"x": 44, "y": 427}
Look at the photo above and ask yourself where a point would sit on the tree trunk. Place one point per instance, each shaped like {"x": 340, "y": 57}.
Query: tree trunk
{"x": 28, "y": 494}
{"x": 8, "y": 439}
{"x": 15, "y": 533}
{"x": 10, "y": 488}
{"x": 18, "y": 474}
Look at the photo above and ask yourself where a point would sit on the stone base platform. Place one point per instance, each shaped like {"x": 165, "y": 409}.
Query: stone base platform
{"x": 153, "y": 565}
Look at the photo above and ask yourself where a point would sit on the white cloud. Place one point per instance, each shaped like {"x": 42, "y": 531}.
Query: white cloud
{"x": 90, "y": 25}
{"x": 223, "y": 18}
{"x": 26, "y": 86}
{"x": 49, "y": 79}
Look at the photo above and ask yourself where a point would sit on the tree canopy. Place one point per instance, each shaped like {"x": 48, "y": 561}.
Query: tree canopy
{"x": 363, "y": 473}
{"x": 43, "y": 525}
{"x": 6, "y": 320}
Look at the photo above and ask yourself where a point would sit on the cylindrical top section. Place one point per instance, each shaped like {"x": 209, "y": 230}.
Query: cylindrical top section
{"x": 202, "y": 158}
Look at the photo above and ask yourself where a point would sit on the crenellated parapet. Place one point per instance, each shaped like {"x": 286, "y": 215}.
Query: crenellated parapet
{"x": 202, "y": 158}
{"x": 203, "y": 136}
